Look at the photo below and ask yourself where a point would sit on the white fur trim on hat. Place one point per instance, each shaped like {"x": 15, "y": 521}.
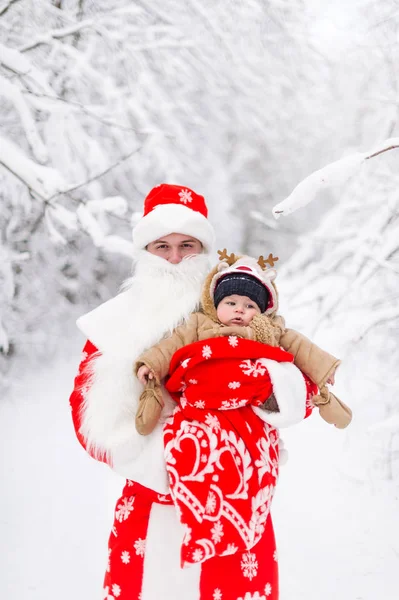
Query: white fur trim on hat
{"x": 173, "y": 218}
{"x": 289, "y": 389}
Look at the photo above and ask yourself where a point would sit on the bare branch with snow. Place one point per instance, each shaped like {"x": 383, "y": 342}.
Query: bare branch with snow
{"x": 332, "y": 175}
{"x": 4, "y": 7}
{"x": 46, "y": 182}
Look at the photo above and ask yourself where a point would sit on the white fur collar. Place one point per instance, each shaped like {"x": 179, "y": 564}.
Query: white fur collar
{"x": 153, "y": 302}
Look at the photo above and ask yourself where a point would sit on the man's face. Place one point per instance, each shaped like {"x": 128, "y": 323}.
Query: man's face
{"x": 174, "y": 247}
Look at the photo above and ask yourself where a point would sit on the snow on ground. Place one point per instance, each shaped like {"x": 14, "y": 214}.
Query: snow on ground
{"x": 56, "y": 502}
{"x": 337, "y": 535}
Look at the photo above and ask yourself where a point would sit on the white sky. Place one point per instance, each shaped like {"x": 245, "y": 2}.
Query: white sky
{"x": 335, "y": 25}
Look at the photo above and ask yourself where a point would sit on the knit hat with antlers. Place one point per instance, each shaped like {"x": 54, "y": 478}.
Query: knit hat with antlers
{"x": 173, "y": 209}
{"x": 238, "y": 273}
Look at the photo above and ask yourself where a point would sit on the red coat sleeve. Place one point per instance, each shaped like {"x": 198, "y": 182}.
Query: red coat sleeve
{"x": 81, "y": 386}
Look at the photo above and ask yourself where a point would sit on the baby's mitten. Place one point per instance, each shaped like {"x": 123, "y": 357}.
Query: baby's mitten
{"x": 150, "y": 407}
{"x": 332, "y": 409}
{"x": 224, "y": 331}
{"x": 266, "y": 330}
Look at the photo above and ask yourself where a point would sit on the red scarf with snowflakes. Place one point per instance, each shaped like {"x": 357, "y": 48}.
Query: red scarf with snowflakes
{"x": 221, "y": 458}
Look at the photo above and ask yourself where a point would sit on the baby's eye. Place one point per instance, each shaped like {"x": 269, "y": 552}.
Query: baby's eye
{"x": 250, "y": 306}
{"x": 231, "y": 303}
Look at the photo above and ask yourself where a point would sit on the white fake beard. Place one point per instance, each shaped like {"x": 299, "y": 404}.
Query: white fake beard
{"x": 155, "y": 300}
{"x": 161, "y": 296}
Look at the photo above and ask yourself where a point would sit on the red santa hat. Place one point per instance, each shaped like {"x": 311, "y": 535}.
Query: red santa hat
{"x": 173, "y": 209}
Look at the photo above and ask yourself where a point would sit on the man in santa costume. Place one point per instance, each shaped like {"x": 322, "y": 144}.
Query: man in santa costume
{"x": 172, "y": 243}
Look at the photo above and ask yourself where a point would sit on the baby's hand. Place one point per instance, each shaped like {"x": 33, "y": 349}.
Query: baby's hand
{"x": 331, "y": 379}
{"x": 144, "y": 374}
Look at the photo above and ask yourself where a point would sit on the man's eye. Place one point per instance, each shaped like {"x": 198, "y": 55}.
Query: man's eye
{"x": 188, "y": 246}
{"x": 162, "y": 247}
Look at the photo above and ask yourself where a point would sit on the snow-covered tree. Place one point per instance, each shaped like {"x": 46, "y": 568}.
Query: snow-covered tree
{"x": 341, "y": 284}
{"x": 101, "y": 101}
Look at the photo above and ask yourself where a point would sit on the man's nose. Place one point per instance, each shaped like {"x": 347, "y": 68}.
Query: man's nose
{"x": 174, "y": 256}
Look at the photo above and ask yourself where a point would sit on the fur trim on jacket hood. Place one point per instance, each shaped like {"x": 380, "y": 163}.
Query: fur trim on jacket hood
{"x": 243, "y": 264}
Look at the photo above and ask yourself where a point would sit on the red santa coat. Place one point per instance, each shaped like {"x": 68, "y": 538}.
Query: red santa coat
{"x": 144, "y": 545}
{"x": 144, "y": 536}
{"x": 145, "y": 541}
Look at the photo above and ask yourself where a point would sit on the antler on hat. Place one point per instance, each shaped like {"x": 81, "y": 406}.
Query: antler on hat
{"x": 270, "y": 261}
{"x": 230, "y": 259}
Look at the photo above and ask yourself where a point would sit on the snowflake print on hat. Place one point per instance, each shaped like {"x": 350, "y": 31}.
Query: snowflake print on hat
{"x": 255, "y": 596}
{"x": 249, "y": 565}
{"x": 185, "y": 196}
{"x": 125, "y": 557}
{"x": 217, "y": 594}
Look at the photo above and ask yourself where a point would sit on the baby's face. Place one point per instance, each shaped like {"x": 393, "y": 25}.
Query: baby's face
{"x": 237, "y": 310}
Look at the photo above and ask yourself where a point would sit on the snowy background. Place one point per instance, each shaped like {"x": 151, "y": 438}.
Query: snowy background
{"x": 242, "y": 101}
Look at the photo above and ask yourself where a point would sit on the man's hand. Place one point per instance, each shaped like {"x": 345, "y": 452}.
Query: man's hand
{"x": 144, "y": 374}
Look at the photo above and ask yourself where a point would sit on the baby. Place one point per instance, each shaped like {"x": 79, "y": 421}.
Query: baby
{"x": 239, "y": 299}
